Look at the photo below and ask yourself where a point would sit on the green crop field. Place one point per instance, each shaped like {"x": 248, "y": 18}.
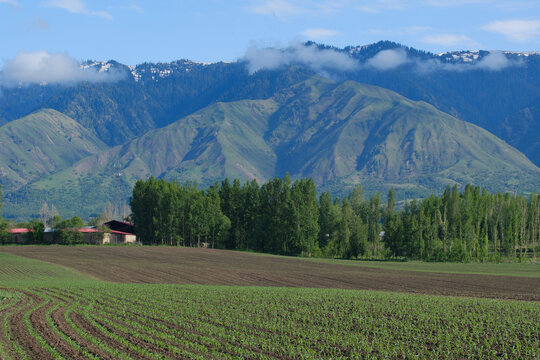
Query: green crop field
{"x": 52, "y": 311}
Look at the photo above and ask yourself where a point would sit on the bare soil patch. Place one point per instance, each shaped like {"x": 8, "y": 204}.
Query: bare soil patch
{"x": 175, "y": 265}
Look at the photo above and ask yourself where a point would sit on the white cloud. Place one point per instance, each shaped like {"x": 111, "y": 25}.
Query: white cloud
{"x": 320, "y": 33}
{"x": 331, "y": 62}
{"x": 278, "y": 8}
{"x": 76, "y": 7}
{"x": 495, "y": 61}
{"x": 449, "y": 40}
{"x": 319, "y": 60}
{"x": 42, "y": 67}
{"x": 515, "y": 29}
{"x": 388, "y": 59}
{"x": 10, "y": 2}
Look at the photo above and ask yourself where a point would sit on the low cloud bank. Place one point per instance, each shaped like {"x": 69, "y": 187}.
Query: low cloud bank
{"x": 329, "y": 60}
{"x": 319, "y": 60}
{"x": 388, "y": 59}
{"x": 494, "y": 61}
{"x": 41, "y": 67}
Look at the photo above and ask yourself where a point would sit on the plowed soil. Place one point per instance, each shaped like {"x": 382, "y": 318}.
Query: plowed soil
{"x": 222, "y": 267}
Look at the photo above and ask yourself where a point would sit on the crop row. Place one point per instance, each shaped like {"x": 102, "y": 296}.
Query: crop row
{"x": 197, "y": 322}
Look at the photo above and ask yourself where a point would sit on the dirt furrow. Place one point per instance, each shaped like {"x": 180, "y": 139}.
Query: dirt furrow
{"x": 59, "y": 320}
{"x": 5, "y": 340}
{"x": 82, "y": 323}
{"x": 20, "y": 333}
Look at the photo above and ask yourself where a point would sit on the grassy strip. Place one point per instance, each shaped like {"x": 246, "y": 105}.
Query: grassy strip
{"x": 20, "y": 273}
{"x": 531, "y": 270}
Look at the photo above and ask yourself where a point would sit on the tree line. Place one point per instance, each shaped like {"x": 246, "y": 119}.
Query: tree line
{"x": 472, "y": 225}
{"x": 286, "y": 217}
{"x": 64, "y": 231}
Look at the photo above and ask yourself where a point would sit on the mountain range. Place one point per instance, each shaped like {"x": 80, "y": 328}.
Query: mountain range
{"x": 409, "y": 127}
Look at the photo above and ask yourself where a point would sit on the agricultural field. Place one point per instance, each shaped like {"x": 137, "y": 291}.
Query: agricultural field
{"x": 177, "y": 265}
{"x": 124, "y": 302}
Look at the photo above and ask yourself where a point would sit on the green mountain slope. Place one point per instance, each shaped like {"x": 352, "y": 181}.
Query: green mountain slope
{"x": 222, "y": 140}
{"x": 338, "y": 134}
{"x": 41, "y": 144}
{"x": 355, "y": 133}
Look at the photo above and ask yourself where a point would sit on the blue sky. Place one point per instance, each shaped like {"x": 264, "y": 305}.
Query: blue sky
{"x": 135, "y": 31}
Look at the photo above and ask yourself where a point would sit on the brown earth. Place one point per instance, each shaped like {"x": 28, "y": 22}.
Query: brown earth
{"x": 221, "y": 267}
{"x": 17, "y": 329}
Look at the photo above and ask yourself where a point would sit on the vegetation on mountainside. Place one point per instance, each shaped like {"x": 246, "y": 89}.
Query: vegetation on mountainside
{"x": 41, "y": 144}
{"x": 338, "y": 134}
{"x": 120, "y": 111}
{"x": 123, "y": 110}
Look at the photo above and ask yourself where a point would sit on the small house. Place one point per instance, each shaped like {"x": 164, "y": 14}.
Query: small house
{"x": 19, "y": 235}
{"x": 96, "y": 236}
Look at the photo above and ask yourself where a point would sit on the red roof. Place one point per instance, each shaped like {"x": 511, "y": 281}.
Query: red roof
{"x": 90, "y": 230}
{"x": 19, "y": 231}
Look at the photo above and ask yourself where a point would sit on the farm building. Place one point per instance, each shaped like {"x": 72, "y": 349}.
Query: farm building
{"x": 96, "y": 236}
{"x": 89, "y": 235}
{"x": 19, "y": 235}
